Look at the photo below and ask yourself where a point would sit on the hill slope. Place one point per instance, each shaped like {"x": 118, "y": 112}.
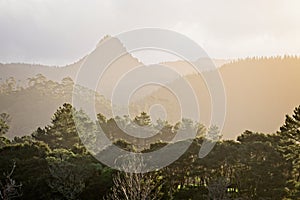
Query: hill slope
{"x": 257, "y": 90}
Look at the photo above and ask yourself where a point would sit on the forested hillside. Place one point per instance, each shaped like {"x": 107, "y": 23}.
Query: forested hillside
{"x": 256, "y": 89}
{"x": 33, "y": 105}
{"x": 52, "y": 163}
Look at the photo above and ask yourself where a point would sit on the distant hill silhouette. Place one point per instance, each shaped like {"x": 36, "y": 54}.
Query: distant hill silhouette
{"x": 257, "y": 89}
{"x": 33, "y": 106}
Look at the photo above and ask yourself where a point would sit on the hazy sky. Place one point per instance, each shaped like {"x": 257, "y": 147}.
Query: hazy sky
{"x": 59, "y": 32}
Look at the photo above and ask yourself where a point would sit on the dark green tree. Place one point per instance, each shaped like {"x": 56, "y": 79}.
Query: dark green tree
{"x": 290, "y": 148}
{"x": 4, "y": 127}
{"x": 263, "y": 169}
{"x": 31, "y": 167}
{"x": 4, "y": 120}
{"x": 143, "y": 119}
{"x": 62, "y": 132}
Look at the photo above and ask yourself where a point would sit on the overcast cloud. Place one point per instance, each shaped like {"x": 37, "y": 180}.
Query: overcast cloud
{"x": 59, "y": 32}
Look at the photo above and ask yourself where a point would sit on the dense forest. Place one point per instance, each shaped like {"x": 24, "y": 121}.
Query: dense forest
{"x": 256, "y": 89}
{"x": 45, "y": 158}
{"x": 52, "y": 163}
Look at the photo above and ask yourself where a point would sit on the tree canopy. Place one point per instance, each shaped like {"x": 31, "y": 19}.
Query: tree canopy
{"x": 53, "y": 163}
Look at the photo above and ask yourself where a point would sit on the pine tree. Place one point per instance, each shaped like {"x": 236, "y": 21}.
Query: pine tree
{"x": 62, "y": 132}
{"x": 143, "y": 119}
{"x": 290, "y": 147}
{"x": 4, "y": 119}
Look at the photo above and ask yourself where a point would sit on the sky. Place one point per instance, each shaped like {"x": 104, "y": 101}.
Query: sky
{"x": 60, "y": 32}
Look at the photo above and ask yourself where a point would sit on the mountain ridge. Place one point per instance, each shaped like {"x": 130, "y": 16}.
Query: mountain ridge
{"x": 256, "y": 88}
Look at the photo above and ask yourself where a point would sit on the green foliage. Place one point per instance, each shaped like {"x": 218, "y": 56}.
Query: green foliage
{"x": 143, "y": 120}
{"x": 54, "y": 164}
{"x": 4, "y": 119}
{"x": 289, "y": 146}
{"x": 62, "y": 132}
{"x": 263, "y": 170}
{"x": 31, "y": 167}
{"x": 67, "y": 179}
